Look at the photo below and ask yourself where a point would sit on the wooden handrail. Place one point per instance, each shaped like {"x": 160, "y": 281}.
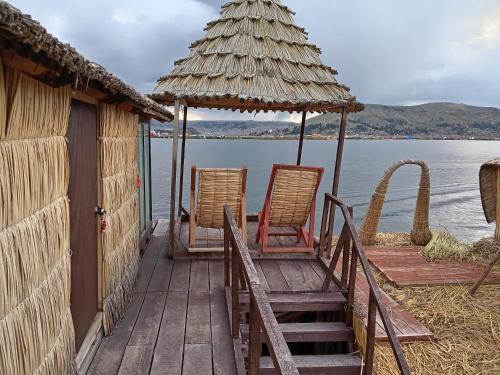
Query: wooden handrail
{"x": 349, "y": 241}
{"x": 239, "y": 271}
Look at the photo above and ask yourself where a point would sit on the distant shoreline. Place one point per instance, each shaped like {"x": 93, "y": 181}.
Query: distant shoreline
{"x": 260, "y": 138}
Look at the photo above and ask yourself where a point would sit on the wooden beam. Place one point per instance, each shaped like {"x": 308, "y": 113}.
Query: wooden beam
{"x": 340, "y": 151}
{"x": 173, "y": 181}
{"x": 183, "y": 157}
{"x": 336, "y": 174}
{"x": 301, "y": 139}
{"x": 83, "y": 97}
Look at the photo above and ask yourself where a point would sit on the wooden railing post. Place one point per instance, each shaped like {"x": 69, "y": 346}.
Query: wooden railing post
{"x": 370, "y": 335}
{"x": 227, "y": 271}
{"x": 350, "y": 245}
{"x": 235, "y": 295}
{"x": 324, "y": 221}
{"x": 351, "y": 287}
{"x": 254, "y": 345}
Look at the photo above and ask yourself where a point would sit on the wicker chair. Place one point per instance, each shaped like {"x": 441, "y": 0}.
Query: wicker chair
{"x": 216, "y": 187}
{"x": 290, "y": 203}
{"x": 420, "y": 234}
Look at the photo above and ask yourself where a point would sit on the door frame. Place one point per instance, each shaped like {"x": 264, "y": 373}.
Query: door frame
{"x": 96, "y": 333}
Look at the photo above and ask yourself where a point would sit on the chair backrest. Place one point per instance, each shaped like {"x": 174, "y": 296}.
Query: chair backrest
{"x": 218, "y": 187}
{"x": 292, "y": 190}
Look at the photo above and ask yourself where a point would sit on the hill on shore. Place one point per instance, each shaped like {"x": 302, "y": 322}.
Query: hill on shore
{"x": 432, "y": 120}
{"x": 427, "y": 121}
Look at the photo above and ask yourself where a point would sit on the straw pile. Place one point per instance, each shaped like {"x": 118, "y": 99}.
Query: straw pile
{"x": 468, "y": 329}
{"x": 36, "y": 327}
{"x": 254, "y": 57}
{"x": 120, "y": 241}
{"x": 445, "y": 245}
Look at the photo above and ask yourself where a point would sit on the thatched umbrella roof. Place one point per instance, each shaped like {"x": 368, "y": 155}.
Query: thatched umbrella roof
{"x": 254, "y": 57}
{"x": 488, "y": 187}
{"x": 21, "y": 28}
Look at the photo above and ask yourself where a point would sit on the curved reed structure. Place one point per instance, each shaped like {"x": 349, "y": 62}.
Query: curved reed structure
{"x": 420, "y": 234}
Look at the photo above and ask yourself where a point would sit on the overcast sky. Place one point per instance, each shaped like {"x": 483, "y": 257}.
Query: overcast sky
{"x": 388, "y": 51}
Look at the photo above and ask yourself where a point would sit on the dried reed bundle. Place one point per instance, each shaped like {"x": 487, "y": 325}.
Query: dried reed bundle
{"x": 36, "y": 329}
{"x": 56, "y": 360}
{"x": 484, "y": 249}
{"x": 30, "y": 250}
{"x": 29, "y": 331}
{"x": 116, "y": 123}
{"x": 118, "y": 188}
{"x": 116, "y": 262}
{"x": 468, "y": 329}
{"x": 119, "y": 224}
{"x": 420, "y": 234}
{"x": 120, "y": 242}
{"x": 33, "y": 173}
{"x": 118, "y": 154}
{"x": 35, "y": 109}
{"x": 446, "y": 245}
{"x": 394, "y": 238}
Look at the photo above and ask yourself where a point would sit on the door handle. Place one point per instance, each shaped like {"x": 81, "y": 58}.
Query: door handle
{"x": 100, "y": 211}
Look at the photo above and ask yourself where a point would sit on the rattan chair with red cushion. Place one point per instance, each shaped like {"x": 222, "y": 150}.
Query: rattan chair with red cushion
{"x": 290, "y": 203}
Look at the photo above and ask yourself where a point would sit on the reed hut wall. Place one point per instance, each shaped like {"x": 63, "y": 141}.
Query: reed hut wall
{"x": 120, "y": 240}
{"x": 36, "y": 327}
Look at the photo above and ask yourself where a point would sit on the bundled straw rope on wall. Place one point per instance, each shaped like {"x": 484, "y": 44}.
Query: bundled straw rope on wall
{"x": 120, "y": 241}
{"x": 36, "y": 328}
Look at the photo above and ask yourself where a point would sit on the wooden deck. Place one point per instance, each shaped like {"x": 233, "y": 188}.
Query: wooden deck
{"x": 213, "y": 238}
{"x": 405, "y": 266}
{"x": 177, "y": 322}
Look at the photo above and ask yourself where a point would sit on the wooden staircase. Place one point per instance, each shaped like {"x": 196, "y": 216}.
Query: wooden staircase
{"x": 310, "y": 332}
{"x": 304, "y": 332}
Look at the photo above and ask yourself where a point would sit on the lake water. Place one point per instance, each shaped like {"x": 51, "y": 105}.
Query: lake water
{"x": 454, "y": 166}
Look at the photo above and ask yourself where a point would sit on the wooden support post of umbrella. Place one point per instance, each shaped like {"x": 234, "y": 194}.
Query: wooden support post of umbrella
{"x": 183, "y": 157}
{"x": 489, "y": 181}
{"x": 301, "y": 138}
{"x": 173, "y": 180}
{"x": 336, "y": 175}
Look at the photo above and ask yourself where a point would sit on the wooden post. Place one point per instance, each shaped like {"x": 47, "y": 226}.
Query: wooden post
{"x": 497, "y": 232}
{"x": 301, "y": 139}
{"x": 173, "y": 181}
{"x": 183, "y": 156}
{"x": 336, "y": 173}
{"x": 370, "y": 335}
{"x": 340, "y": 151}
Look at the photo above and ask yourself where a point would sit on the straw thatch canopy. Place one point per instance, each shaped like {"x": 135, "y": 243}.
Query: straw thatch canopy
{"x": 254, "y": 57}
{"x": 19, "y": 28}
{"x": 488, "y": 187}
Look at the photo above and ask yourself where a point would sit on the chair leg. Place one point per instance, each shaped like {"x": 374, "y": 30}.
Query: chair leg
{"x": 257, "y": 240}
{"x": 192, "y": 233}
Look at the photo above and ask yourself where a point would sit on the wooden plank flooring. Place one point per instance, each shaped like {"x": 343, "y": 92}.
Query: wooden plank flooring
{"x": 405, "y": 266}
{"x": 407, "y": 327}
{"x": 177, "y": 322}
{"x": 213, "y": 238}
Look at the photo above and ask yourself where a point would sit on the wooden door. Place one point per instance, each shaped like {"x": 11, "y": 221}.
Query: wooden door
{"x": 82, "y": 138}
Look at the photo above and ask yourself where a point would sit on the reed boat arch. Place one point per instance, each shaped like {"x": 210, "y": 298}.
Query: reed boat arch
{"x": 420, "y": 233}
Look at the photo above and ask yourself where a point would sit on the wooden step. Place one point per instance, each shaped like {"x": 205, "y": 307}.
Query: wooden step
{"x": 311, "y": 332}
{"x": 298, "y": 302}
{"x": 338, "y": 364}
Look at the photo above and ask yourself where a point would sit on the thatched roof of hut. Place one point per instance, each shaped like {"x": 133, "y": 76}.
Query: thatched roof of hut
{"x": 254, "y": 57}
{"x": 17, "y": 27}
{"x": 488, "y": 187}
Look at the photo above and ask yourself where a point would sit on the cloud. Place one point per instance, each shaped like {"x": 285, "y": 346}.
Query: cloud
{"x": 388, "y": 51}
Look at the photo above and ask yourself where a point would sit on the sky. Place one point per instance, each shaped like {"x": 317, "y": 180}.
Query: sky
{"x": 388, "y": 51}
